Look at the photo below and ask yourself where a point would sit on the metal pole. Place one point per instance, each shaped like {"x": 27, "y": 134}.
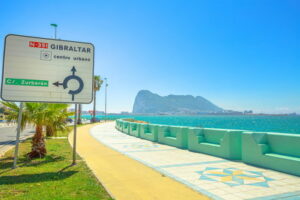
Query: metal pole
{"x": 79, "y": 120}
{"x": 18, "y": 136}
{"x": 55, "y": 28}
{"x": 105, "y": 96}
{"x": 94, "y": 108}
{"x": 74, "y": 137}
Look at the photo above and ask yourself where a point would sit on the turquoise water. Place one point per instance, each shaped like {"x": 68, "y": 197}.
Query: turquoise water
{"x": 281, "y": 124}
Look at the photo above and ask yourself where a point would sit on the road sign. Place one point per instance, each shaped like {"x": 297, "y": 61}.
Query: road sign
{"x": 47, "y": 70}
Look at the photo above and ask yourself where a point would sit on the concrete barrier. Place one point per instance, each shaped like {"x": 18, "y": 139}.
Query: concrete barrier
{"x": 272, "y": 150}
{"x": 173, "y": 136}
{"x": 119, "y": 125}
{"x": 216, "y": 142}
{"x": 149, "y": 132}
{"x": 135, "y": 129}
{"x": 126, "y": 127}
{"x": 276, "y": 151}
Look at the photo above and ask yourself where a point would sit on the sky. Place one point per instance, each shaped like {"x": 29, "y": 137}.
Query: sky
{"x": 239, "y": 54}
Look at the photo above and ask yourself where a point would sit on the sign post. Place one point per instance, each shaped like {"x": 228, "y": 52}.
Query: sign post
{"x": 47, "y": 70}
{"x": 74, "y": 136}
{"x": 18, "y": 136}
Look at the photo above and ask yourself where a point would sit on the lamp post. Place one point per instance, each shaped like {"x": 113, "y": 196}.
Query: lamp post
{"x": 55, "y": 27}
{"x": 96, "y": 85}
{"x": 105, "y": 111}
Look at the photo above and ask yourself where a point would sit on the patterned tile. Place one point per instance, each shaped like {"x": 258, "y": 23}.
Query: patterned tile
{"x": 234, "y": 176}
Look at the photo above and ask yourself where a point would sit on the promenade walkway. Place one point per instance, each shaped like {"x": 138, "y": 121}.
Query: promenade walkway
{"x": 123, "y": 177}
{"x": 124, "y": 165}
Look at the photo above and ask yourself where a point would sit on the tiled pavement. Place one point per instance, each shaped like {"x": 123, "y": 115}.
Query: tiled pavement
{"x": 215, "y": 177}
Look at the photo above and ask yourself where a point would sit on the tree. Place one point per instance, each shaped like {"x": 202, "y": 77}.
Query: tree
{"x": 12, "y": 113}
{"x": 40, "y": 115}
{"x": 97, "y": 85}
{"x": 57, "y": 115}
{"x": 32, "y": 113}
{"x": 2, "y": 110}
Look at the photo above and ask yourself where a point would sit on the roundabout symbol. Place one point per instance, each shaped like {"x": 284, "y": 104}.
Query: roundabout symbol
{"x": 67, "y": 79}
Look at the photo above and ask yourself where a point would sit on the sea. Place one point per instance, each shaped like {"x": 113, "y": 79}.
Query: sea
{"x": 260, "y": 123}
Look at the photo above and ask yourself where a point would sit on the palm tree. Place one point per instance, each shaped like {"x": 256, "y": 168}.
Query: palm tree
{"x": 32, "y": 113}
{"x": 12, "y": 113}
{"x": 56, "y": 118}
{"x": 97, "y": 85}
{"x": 39, "y": 114}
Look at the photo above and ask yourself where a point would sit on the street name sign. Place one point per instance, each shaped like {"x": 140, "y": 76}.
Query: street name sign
{"x": 47, "y": 70}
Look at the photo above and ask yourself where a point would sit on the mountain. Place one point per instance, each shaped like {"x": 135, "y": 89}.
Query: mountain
{"x": 147, "y": 102}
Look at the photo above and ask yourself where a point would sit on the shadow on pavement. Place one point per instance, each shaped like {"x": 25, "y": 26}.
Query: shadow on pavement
{"x": 7, "y": 142}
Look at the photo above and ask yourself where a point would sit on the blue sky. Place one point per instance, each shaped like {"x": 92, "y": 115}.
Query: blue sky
{"x": 238, "y": 54}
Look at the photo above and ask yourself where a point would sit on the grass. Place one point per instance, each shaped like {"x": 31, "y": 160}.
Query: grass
{"x": 51, "y": 177}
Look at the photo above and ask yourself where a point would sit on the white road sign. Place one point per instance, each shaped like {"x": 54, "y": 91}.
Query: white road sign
{"x": 47, "y": 70}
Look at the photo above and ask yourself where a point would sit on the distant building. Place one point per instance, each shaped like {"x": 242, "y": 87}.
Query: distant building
{"x": 248, "y": 112}
{"x": 125, "y": 113}
{"x": 232, "y": 112}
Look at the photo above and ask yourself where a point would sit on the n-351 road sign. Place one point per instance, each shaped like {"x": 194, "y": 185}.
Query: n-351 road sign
{"x": 47, "y": 70}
